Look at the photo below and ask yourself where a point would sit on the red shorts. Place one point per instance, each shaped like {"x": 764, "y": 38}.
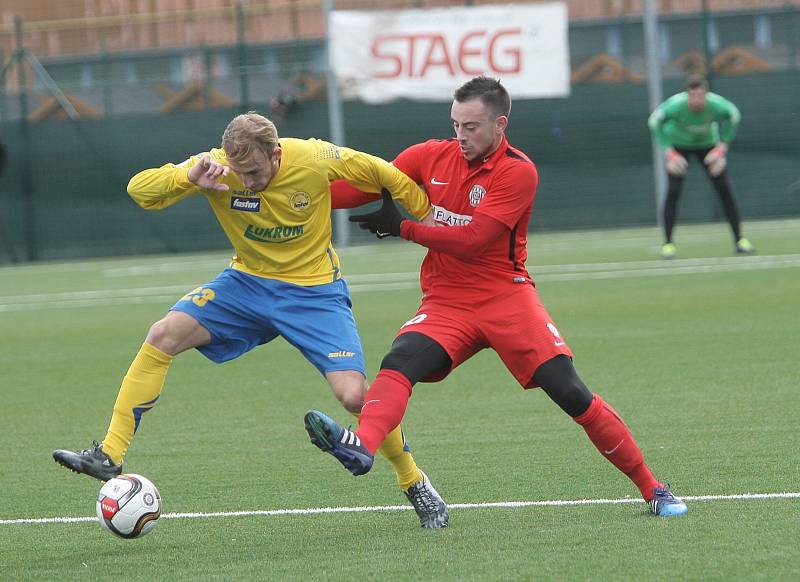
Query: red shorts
{"x": 515, "y": 325}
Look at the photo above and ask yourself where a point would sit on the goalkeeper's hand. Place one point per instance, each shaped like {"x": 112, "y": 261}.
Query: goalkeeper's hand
{"x": 676, "y": 164}
{"x": 715, "y": 160}
{"x": 383, "y": 222}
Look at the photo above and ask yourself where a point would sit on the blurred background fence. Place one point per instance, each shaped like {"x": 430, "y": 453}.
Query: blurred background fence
{"x": 93, "y": 92}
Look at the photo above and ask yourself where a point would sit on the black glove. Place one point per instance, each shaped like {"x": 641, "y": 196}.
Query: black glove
{"x": 383, "y": 222}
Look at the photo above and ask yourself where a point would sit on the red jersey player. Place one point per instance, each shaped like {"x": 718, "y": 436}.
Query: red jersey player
{"x": 476, "y": 292}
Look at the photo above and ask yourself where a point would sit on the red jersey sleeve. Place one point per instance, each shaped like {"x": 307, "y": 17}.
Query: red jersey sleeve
{"x": 343, "y": 195}
{"x": 464, "y": 242}
{"x": 511, "y": 193}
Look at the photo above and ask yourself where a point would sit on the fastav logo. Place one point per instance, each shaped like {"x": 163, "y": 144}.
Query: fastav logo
{"x": 246, "y": 204}
{"x": 476, "y": 195}
{"x": 477, "y": 52}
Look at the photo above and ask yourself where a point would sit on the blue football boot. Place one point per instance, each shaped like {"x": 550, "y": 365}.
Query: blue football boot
{"x": 665, "y": 504}
{"x": 340, "y": 442}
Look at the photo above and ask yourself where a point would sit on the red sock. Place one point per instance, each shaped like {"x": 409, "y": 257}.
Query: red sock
{"x": 384, "y": 407}
{"x": 615, "y": 442}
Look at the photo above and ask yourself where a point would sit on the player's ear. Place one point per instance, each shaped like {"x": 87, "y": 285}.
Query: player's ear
{"x": 501, "y": 123}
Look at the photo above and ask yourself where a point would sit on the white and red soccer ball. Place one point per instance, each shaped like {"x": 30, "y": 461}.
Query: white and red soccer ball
{"x": 128, "y": 506}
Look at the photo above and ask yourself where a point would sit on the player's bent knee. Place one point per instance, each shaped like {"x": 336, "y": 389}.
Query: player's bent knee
{"x": 560, "y": 381}
{"x": 177, "y": 332}
{"x": 416, "y": 356}
{"x": 395, "y": 360}
{"x": 349, "y": 388}
{"x": 352, "y": 402}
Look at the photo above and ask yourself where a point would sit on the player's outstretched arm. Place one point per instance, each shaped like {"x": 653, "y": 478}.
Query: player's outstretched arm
{"x": 157, "y": 188}
{"x": 370, "y": 173}
{"x": 343, "y": 195}
{"x": 465, "y": 242}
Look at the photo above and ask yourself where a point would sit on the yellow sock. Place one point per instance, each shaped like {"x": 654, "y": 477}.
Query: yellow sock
{"x": 138, "y": 394}
{"x": 394, "y": 450}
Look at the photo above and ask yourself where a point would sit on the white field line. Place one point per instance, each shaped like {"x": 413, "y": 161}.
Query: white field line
{"x": 540, "y": 241}
{"x": 374, "y": 282}
{"x": 376, "y": 508}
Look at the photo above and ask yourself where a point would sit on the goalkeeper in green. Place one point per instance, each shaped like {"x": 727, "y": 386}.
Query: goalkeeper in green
{"x": 688, "y": 125}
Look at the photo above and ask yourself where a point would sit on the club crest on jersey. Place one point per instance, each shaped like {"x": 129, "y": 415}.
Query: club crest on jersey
{"x": 245, "y": 204}
{"x": 300, "y": 201}
{"x": 476, "y": 195}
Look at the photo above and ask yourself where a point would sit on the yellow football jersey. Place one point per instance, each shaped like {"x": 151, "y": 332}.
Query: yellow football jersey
{"x": 284, "y": 231}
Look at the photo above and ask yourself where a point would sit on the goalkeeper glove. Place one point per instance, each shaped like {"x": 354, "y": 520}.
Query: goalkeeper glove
{"x": 676, "y": 164}
{"x": 715, "y": 160}
{"x": 383, "y": 222}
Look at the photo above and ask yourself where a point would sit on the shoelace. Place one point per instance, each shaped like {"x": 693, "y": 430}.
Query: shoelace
{"x": 93, "y": 450}
{"x": 665, "y": 492}
{"x": 97, "y": 451}
{"x": 420, "y": 493}
{"x": 663, "y": 496}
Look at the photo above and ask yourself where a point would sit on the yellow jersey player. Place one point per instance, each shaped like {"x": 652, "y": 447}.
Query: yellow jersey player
{"x": 272, "y": 198}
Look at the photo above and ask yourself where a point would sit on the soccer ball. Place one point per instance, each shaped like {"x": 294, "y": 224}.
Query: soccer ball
{"x": 128, "y": 506}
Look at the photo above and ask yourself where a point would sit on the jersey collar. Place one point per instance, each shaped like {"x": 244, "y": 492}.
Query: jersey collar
{"x": 489, "y": 161}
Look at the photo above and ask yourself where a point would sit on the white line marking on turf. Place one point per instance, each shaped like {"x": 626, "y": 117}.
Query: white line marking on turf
{"x": 364, "y": 509}
{"x": 382, "y": 282}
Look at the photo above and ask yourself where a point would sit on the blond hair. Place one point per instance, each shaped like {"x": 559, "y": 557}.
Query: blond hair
{"x": 246, "y": 133}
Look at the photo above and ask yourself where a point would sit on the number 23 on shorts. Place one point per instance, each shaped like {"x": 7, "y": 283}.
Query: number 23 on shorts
{"x": 200, "y": 296}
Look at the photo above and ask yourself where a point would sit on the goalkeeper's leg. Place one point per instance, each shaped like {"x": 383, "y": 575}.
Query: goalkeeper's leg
{"x": 675, "y": 185}
{"x": 722, "y": 186}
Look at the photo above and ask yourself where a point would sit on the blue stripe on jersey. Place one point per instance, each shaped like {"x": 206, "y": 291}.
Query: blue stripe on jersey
{"x": 336, "y": 274}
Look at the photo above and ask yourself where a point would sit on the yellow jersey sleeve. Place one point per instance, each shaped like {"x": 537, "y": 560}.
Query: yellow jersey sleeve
{"x": 283, "y": 232}
{"x": 371, "y": 174}
{"x": 158, "y": 188}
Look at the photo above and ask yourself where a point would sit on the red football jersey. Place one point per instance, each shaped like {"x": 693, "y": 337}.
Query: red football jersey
{"x": 502, "y": 187}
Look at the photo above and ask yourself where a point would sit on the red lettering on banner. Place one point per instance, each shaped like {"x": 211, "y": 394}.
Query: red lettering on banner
{"x": 514, "y": 52}
{"x": 377, "y": 43}
{"x": 439, "y": 43}
{"x": 475, "y": 53}
{"x": 464, "y": 52}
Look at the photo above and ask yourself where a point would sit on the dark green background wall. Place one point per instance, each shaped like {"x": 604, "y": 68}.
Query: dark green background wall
{"x": 592, "y": 150}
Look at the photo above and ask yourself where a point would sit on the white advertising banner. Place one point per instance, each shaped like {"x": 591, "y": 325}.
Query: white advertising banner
{"x": 427, "y": 54}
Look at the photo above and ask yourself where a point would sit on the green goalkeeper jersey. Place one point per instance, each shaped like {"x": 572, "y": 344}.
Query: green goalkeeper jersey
{"x": 674, "y": 125}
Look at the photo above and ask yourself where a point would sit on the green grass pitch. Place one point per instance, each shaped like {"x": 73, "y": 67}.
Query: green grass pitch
{"x": 699, "y": 354}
